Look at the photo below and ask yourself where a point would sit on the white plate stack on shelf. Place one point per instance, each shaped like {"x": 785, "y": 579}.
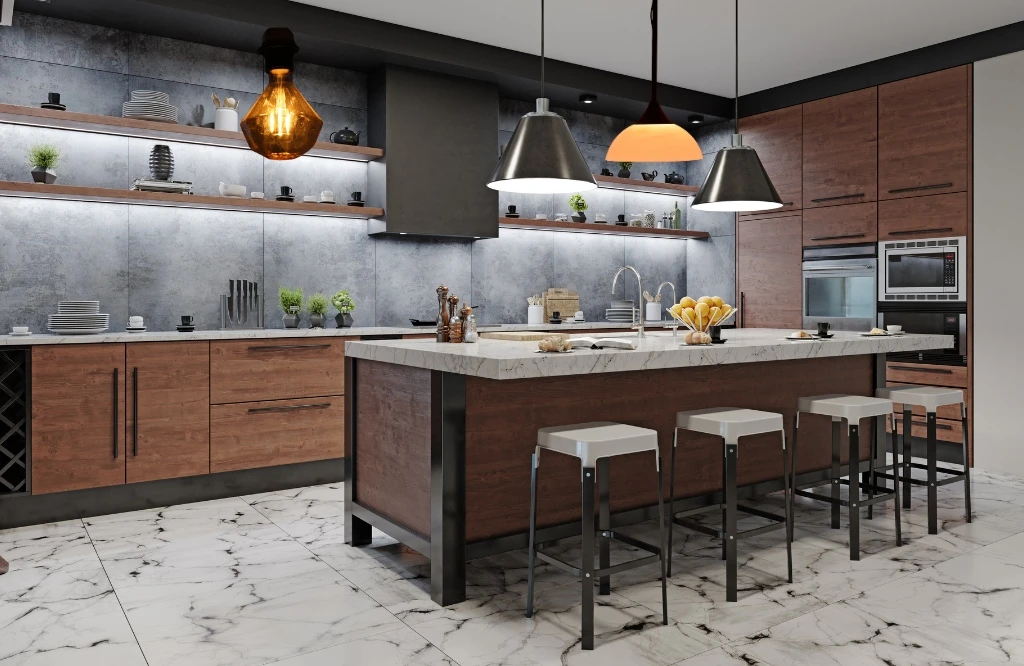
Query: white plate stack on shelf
{"x": 150, "y": 105}
{"x": 78, "y": 318}
{"x": 620, "y": 312}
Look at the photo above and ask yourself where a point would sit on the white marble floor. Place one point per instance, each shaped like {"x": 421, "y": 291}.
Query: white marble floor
{"x": 267, "y": 579}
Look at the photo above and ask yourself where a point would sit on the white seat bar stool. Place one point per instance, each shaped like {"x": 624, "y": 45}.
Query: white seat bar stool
{"x": 931, "y": 398}
{"x": 731, "y": 424}
{"x": 849, "y": 409}
{"x": 594, "y": 444}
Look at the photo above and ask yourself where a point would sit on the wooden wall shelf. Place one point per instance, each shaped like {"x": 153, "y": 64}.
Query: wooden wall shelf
{"x": 108, "y": 195}
{"x": 148, "y": 129}
{"x": 591, "y": 228}
{"x": 649, "y": 186}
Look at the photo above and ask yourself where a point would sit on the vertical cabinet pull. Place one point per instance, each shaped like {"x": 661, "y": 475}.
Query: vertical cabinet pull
{"x": 743, "y": 301}
{"x": 116, "y": 401}
{"x": 135, "y": 412}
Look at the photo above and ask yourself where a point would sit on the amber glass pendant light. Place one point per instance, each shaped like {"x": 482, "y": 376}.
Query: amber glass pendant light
{"x": 281, "y": 125}
{"x": 654, "y": 137}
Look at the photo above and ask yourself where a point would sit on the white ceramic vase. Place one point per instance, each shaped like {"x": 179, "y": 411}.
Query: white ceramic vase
{"x": 535, "y": 314}
{"x": 652, "y": 312}
{"x": 226, "y": 119}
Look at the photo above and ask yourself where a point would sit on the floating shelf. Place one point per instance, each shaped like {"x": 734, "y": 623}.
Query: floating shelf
{"x": 649, "y": 186}
{"x": 148, "y": 129}
{"x": 108, "y": 195}
{"x": 591, "y": 228}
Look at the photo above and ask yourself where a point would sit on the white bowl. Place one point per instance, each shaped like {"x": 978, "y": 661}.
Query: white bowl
{"x": 20, "y": 330}
{"x": 227, "y": 190}
{"x": 894, "y": 328}
{"x": 256, "y": 195}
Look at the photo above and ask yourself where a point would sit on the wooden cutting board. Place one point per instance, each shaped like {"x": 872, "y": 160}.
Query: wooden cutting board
{"x": 517, "y": 336}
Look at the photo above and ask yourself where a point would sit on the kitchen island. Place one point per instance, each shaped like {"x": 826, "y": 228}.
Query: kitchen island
{"x": 438, "y": 437}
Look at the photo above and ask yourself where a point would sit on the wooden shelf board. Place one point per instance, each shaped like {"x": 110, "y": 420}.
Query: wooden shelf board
{"x": 650, "y": 186}
{"x": 88, "y": 122}
{"x": 108, "y": 195}
{"x": 591, "y": 228}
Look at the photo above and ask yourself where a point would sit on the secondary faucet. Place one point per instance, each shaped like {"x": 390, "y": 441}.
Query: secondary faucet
{"x": 639, "y": 289}
{"x": 675, "y": 326}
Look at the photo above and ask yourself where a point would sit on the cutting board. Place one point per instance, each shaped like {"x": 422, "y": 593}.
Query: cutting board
{"x": 517, "y": 336}
{"x": 562, "y": 301}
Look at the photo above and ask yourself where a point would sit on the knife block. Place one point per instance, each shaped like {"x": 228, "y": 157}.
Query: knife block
{"x": 241, "y": 307}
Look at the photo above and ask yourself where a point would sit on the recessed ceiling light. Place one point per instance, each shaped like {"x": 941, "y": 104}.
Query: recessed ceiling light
{"x": 695, "y": 119}
{"x": 588, "y": 98}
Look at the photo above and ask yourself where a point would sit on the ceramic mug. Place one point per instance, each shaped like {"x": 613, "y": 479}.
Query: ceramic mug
{"x": 326, "y": 195}
{"x": 186, "y": 320}
{"x": 52, "y": 98}
{"x": 606, "y": 172}
{"x": 286, "y": 191}
{"x": 357, "y": 196}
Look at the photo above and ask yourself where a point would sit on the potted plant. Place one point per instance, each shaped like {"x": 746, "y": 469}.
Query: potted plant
{"x": 345, "y": 305}
{"x": 578, "y": 204}
{"x": 291, "y": 303}
{"x": 44, "y": 158}
{"x": 316, "y": 306}
{"x": 624, "y": 168}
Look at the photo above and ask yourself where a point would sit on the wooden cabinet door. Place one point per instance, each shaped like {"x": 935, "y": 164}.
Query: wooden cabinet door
{"x": 768, "y": 272}
{"x": 840, "y": 146}
{"x": 778, "y": 138}
{"x": 923, "y": 134}
{"x": 936, "y": 216}
{"x": 168, "y": 415}
{"x": 251, "y": 370}
{"x": 77, "y": 416}
{"x": 841, "y": 225}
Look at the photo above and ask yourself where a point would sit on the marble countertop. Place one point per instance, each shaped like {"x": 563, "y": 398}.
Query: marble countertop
{"x": 499, "y": 359}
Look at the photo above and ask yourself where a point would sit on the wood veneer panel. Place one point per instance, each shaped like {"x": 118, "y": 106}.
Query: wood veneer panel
{"x": 840, "y": 149}
{"x": 939, "y": 215}
{"x": 841, "y": 225}
{"x": 768, "y": 272}
{"x": 276, "y": 369}
{"x": 778, "y": 138}
{"x": 954, "y": 376}
{"x": 173, "y": 409}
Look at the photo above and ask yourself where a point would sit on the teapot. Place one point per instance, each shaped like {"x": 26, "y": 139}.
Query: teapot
{"x": 346, "y": 137}
{"x": 675, "y": 178}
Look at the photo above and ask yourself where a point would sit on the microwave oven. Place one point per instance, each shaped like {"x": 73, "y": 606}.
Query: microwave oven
{"x": 926, "y": 270}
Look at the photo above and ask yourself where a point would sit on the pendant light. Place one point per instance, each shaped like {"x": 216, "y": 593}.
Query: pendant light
{"x": 542, "y": 157}
{"x": 737, "y": 181}
{"x": 281, "y": 125}
{"x": 654, "y": 137}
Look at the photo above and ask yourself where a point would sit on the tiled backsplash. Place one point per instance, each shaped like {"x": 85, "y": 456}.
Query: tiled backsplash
{"x": 164, "y": 262}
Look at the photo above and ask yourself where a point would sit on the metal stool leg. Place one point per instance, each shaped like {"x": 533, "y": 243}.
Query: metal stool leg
{"x": 933, "y": 489}
{"x": 665, "y": 554}
{"x": 604, "y": 523}
{"x": 725, "y": 504}
{"x": 896, "y": 483}
{"x": 729, "y": 538}
{"x": 967, "y": 461}
{"x": 871, "y": 479}
{"x": 854, "y": 491}
{"x": 789, "y": 506}
{"x": 587, "y": 568}
{"x": 792, "y": 467}
{"x": 836, "y": 473}
{"x": 907, "y": 472}
{"x": 672, "y": 497}
{"x": 533, "y": 532}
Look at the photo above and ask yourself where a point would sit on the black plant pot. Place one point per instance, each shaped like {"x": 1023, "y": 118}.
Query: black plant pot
{"x": 41, "y": 175}
{"x": 579, "y": 217}
{"x": 624, "y": 173}
{"x": 291, "y": 321}
{"x": 343, "y": 320}
{"x": 161, "y": 162}
{"x": 316, "y": 321}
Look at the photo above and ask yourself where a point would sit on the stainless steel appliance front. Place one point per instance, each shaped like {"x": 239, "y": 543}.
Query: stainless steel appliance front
{"x": 839, "y": 287}
{"x": 930, "y": 269}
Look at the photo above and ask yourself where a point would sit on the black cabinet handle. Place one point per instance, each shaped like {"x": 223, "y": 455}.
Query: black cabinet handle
{"x": 937, "y": 371}
{"x": 940, "y": 426}
{"x": 837, "y": 198}
{"x": 743, "y": 302}
{"x": 135, "y": 412}
{"x": 937, "y": 186}
{"x": 919, "y": 231}
{"x": 289, "y": 408}
{"x": 787, "y": 203}
{"x": 821, "y": 238}
{"x": 266, "y": 348}
{"x": 116, "y": 402}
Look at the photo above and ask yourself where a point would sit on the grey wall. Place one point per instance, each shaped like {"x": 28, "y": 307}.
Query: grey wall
{"x": 164, "y": 262}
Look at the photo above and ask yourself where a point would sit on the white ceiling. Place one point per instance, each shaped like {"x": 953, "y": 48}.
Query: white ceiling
{"x": 780, "y": 40}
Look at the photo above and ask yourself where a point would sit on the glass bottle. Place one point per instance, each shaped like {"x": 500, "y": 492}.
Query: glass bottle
{"x": 469, "y": 332}
{"x": 455, "y": 328}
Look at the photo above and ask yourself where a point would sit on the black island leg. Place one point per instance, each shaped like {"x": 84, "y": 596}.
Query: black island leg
{"x": 448, "y": 489}
{"x": 357, "y": 531}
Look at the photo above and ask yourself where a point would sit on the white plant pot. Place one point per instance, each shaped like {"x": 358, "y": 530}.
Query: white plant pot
{"x": 535, "y": 314}
{"x": 652, "y": 312}
{"x": 226, "y": 119}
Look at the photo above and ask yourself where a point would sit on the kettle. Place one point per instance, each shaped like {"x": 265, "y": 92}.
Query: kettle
{"x": 346, "y": 136}
{"x": 675, "y": 178}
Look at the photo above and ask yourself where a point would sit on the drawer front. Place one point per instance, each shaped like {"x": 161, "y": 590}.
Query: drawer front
{"x": 936, "y": 216}
{"x": 946, "y": 430}
{"x": 951, "y": 412}
{"x": 929, "y": 375}
{"x": 279, "y": 432}
{"x": 841, "y": 225}
{"x": 254, "y": 370}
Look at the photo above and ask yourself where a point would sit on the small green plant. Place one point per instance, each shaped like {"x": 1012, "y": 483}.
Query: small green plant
{"x": 44, "y": 156}
{"x": 316, "y": 304}
{"x": 343, "y": 301}
{"x": 626, "y": 165}
{"x": 578, "y": 203}
{"x": 290, "y": 298}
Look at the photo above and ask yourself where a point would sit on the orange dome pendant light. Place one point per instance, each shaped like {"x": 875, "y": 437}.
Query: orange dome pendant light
{"x": 281, "y": 125}
{"x": 654, "y": 137}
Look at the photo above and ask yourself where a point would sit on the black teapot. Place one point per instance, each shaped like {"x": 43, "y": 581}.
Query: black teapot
{"x": 346, "y": 137}
{"x": 674, "y": 178}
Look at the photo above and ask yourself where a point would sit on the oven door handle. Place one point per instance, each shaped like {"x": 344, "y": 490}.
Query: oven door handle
{"x": 839, "y": 268}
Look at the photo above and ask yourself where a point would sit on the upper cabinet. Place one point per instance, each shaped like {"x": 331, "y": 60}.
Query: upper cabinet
{"x": 923, "y": 134}
{"x": 840, "y": 149}
{"x": 777, "y": 136}
{"x": 768, "y": 272}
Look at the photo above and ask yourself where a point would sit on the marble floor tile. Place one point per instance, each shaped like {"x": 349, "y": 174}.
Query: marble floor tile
{"x": 400, "y": 647}
{"x": 311, "y": 516}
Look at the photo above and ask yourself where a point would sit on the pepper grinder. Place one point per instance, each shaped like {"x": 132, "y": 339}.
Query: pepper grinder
{"x": 442, "y": 314}
{"x": 453, "y": 303}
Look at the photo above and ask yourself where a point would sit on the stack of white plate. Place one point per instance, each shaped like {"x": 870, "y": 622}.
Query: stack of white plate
{"x": 150, "y": 105}
{"x": 78, "y": 318}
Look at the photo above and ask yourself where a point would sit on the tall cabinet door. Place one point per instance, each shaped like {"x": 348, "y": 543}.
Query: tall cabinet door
{"x": 168, "y": 417}
{"x": 777, "y": 136}
{"x": 77, "y": 416}
{"x": 840, "y": 145}
{"x": 768, "y": 272}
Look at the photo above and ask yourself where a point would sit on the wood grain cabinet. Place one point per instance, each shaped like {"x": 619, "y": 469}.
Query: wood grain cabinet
{"x": 768, "y": 277}
{"x": 168, "y": 410}
{"x": 78, "y": 423}
{"x": 778, "y": 138}
{"x": 939, "y": 216}
{"x": 923, "y": 134}
{"x": 841, "y": 225}
{"x": 840, "y": 149}
{"x": 253, "y": 370}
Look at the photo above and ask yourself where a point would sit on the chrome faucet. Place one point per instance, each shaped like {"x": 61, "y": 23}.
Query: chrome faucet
{"x": 639, "y": 289}
{"x": 675, "y": 324}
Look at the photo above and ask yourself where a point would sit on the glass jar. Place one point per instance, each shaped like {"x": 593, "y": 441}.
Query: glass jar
{"x": 455, "y": 328}
{"x": 469, "y": 332}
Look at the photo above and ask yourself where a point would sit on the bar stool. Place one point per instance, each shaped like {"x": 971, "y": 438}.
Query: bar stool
{"x": 930, "y": 398}
{"x": 849, "y": 409}
{"x": 730, "y": 424}
{"x": 594, "y": 443}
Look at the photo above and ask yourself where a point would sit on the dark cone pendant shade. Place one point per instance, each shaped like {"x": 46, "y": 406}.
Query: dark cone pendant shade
{"x": 737, "y": 182}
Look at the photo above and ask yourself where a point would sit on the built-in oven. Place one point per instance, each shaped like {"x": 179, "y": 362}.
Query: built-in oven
{"x": 927, "y": 270}
{"x": 930, "y": 318}
{"x": 839, "y": 287}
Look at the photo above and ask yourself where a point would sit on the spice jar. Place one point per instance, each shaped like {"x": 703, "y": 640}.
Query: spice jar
{"x": 469, "y": 332}
{"x": 455, "y": 328}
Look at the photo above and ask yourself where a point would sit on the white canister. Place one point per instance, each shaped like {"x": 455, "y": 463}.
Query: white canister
{"x": 652, "y": 312}
{"x": 226, "y": 119}
{"x": 535, "y": 314}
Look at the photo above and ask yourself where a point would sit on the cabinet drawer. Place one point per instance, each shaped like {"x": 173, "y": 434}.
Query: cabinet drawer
{"x": 951, "y": 412}
{"x": 278, "y": 432}
{"x": 930, "y": 375}
{"x": 252, "y": 370}
{"x": 841, "y": 225}
{"x": 939, "y": 215}
{"x": 946, "y": 430}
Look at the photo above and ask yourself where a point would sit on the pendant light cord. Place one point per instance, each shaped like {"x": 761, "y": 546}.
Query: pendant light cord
{"x": 542, "y": 48}
{"x": 654, "y": 50}
{"x": 737, "y": 63}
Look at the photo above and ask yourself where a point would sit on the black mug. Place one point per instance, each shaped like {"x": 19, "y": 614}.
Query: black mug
{"x": 606, "y": 172}
{"x": 357, "y": 196}
{"x": 53, "y": 98}
{"x": 286, "y": 191}
{"x": 512, "y": 209}
{"x": 823, "y": 327}
{"x": 716, "y": 333}
{"x": 622, "y": 218}
{"x": 186, "y": 320}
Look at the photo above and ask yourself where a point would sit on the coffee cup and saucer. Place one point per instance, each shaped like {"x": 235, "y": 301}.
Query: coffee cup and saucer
{"x": 187, "y": 324}
{"x": 20, "y": 331}
{"x": 135, "y": 324}
{"x": 823, "y": 328}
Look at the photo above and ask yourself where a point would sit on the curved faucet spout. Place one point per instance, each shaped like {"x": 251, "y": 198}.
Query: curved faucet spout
{"x": 639, "y": 289}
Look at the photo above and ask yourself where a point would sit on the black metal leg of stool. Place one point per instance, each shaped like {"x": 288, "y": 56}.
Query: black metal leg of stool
{"x": 729, "y": 527}
{"x": 603, "y": 524}
{"x": 907, "y": 472}
{"x": 661, "y": 543}
{"x": 836, "y": 473}
{"x": 792, "y": 468}
{"x": 967, "y": 463}
{"x": 533, "y": 536}
{"x": 789, "y": 506}
{"x": 896, "y": 483}
{"x": 854, "y": 491}
{"x": 587, "y": 566}
{"x": 933, "y": 489}
{"x": 725, "y": 505}
{"x": 871, "y": 478}
{"x": 672, "y": 496}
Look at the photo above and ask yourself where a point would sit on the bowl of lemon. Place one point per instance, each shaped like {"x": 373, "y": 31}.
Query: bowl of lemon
{"x": 699, "y": 315}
